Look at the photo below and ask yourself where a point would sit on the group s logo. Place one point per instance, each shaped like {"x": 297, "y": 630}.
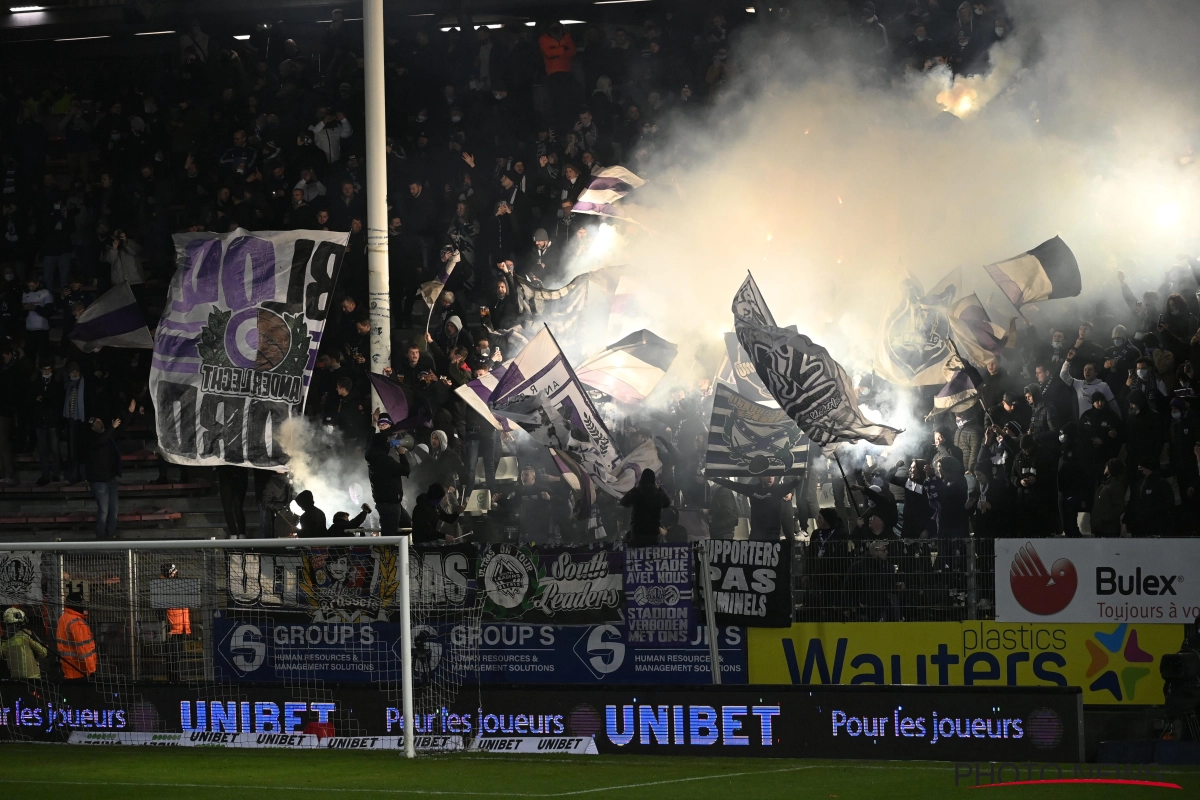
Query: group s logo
{"x": 247, "y": 648}
{"x": 1038, "y": 590}
{"x": 601, "y": 650}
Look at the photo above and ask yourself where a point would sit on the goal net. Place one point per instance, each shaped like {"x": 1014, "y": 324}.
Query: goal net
{"x": 225, "y": 637}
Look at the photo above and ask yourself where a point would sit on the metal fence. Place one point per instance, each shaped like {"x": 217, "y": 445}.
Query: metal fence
{"x": 894, "y": 580}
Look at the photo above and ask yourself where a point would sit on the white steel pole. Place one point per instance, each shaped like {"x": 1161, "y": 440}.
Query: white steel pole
{"x": 377, "y": 213}
{"x": 406, "y": 652}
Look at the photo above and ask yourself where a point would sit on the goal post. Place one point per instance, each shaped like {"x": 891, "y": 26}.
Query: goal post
{"x": 308, "y": 617}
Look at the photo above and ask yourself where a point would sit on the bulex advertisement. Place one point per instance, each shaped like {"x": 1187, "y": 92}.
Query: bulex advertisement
{"x": 1112, "y": 663}
{"x": 929, "y": 722}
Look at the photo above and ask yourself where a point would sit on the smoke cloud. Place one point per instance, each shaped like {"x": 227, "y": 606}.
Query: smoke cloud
{"x": 831, "y": 180}
{"x": 321, "y": 462}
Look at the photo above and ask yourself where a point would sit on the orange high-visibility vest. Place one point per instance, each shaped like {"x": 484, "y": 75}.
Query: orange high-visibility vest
{"x": 179, "y": 621}
{"x": 76, "y": 646}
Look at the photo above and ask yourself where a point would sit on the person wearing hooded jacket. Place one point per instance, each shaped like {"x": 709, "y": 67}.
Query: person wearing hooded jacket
{"x": 646, "y": 502}
{"x": 1108, "y": 506}
{"x": 1033, "y": 482}
{"x": 1151, "y": 509}
{"x": 443, "y": 465}
{"x": 428, "y": 514}
{"x": 387, "y": 475}
{"x": 1145, "y": 433}
{"x": 1076, "y": 478}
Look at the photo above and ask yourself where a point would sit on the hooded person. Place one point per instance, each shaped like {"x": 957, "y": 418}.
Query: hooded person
{"x": 1145, "y": 433}
{"x": 1123, "y": 353}
{"x": 444, "y": 466}
{"x": 1102, "y": 429}
{"x": 1108, "y": 505}
{"x": 646, "y": 502}
{"x": 449, "y": 334}
{"x": 387, "y": 473}
{"x": 1151, "y": 509}
{"x": 312, "y": 519}
{"x": 1033, "y": 482}
{"x": 428, "y": 514}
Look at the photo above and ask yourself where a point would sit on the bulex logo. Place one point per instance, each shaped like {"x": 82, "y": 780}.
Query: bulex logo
{"x": 1038, "y": 590}
{"x": 1105, "y": 649}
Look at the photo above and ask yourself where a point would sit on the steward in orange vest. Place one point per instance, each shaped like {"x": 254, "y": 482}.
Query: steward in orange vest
{"x": 76, "y": 646}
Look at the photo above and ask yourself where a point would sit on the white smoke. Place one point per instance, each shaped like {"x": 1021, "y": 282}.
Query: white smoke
{"x": 321, "y": 462}
{"x": 831, "y": 181}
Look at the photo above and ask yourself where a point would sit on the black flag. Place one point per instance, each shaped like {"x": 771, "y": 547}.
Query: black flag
{"x": 808, "y": 384}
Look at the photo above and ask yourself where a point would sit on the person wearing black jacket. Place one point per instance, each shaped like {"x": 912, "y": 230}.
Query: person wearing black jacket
{"x": 918, "y": 515}
{"x": 342, "y": 521}
{"x": 646, "y": 501}
{"x": 312, "y": 520}
{"x": 11, "y": 386}
{"x": 1033, "y": 481}
{"x": 1076, "y": 477}
{"x": 427, "y": 513}
{"x": 387, "y": 476}
{"x": 827, "y": 559}
{"x": 766, "y": 504}
{"x": 102, "y": 471}
{"x": 1145, "y": 433}
{"x": 1151, "y": 508}
{"x": 45, "y": 404}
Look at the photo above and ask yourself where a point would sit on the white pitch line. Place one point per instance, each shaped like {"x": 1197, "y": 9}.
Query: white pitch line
{"x": 437, "y": 792}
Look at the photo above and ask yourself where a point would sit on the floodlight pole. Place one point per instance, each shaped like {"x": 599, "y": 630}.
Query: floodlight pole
{"x": 379, "y": 292}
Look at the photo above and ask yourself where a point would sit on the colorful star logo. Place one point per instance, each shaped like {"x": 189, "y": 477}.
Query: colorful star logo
{"x": 1114, "y": 643}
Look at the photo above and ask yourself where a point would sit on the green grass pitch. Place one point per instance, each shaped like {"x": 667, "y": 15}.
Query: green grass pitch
{"x": 133, "y": 773}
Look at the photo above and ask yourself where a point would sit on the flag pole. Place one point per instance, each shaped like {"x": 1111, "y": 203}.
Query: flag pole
{"x": 849, "y": 491}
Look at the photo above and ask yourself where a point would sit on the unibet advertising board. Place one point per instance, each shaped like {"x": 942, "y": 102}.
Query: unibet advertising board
{"x": 1113, "y": 664}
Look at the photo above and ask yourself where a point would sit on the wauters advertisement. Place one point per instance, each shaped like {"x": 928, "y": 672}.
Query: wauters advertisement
{"x": 1114, "y": 664}
{"x": 1140, "y": 581}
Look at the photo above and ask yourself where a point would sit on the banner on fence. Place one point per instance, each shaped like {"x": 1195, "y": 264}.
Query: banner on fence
{"x": 332, "y": 585}
{"x": 1140, "y": 581}
{"x": 236, "y": 346}
{"x": 751, "y": 582}
{"x": 565, "y": 586}
{"x": 658, "y": 594}
{"x": 590, "y": 654}
{"x": 20, "y": 577}
{"x": 1113, "y": 664}
{"x": 289, "y": 646}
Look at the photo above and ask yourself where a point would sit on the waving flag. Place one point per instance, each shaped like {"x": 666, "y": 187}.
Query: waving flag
{"x": 607, "y": 187}
{"x": 540, "y": 392}
{"x": 979, "y": 338}
{"x": 962, "y": 385}
{"x": 114, "y": 320}
{"x": 914, "y": 337}
{"x": 1046, "y": 272}
{"x": 577, "y": 313}
{"x": 746, "y": 439}
{"x": 476, "y": 394}
{"x": 431, "y": 290}
{"x": 629, "y": 370}
{"x": 814, "y": 390}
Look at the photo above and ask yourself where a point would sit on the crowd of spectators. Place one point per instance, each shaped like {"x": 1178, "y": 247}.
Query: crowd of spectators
{"x": 493, "y": 133}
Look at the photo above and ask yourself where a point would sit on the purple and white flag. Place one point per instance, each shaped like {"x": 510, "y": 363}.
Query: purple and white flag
{"x": 238, "y": 340}
{"x": 607, "y": 187}
{"x": 540, "y": 393}
{"x": 476, "y": 394}
{"x": 114, "y": 320}
{"x": 431, "y": 290}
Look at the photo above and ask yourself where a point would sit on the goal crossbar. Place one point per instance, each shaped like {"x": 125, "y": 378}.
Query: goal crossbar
{"x": 206, "y": 544}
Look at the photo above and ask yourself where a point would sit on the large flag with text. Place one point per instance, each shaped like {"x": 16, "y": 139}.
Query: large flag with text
{"x": 237, "y": 342}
